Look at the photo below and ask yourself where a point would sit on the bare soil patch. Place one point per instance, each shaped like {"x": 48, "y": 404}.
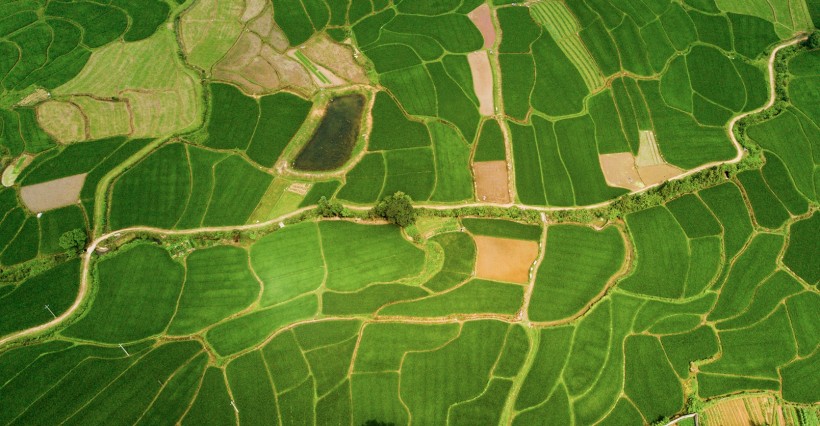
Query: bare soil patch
{"x": 53, "y": 194}
{"x": 482, "y": 81}
{"x": 620, "y": 171}
{"x": 658, "y": 173}
{"x": 64, "y": 121}
{"x": 504, "y": 259}
{"x": 483, "y": 21}
{"x": 492, "y": 181}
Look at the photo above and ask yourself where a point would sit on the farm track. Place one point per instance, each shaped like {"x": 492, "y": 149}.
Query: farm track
{"x": 86, "y": 260}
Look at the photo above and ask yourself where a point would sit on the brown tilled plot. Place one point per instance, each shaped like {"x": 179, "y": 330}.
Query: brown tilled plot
{"x": 483, "y": 21}
{"x": 491, "y": 181}
{"x": 504, "y": 259}
{"x": 482, "y": 81}
{"x": 53, "y": 194}
{"x": 619, "y": 170}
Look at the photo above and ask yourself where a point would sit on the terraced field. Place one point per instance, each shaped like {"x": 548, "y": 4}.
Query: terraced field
{"x": 616, "y": 215}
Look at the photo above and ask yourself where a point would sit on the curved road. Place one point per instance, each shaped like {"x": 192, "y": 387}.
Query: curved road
{"x": 84, "y": 281}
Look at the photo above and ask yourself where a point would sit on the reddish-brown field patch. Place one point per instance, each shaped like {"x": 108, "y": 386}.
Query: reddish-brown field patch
{"x": 483, "y": 21}
{"x": 503, "y": 259}
{"x": 53, "y": 194}
{"x": 492, "y": 181}
{"x": 482, "y": 81}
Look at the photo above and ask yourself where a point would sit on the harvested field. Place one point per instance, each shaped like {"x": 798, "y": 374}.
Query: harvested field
{"x": 337, "y": 58}
{"x": 648, "y": 152}
{"x": 482, "y": 81}
{"x": 64, "y": 121}
{"x": 252, "y": 9}
{"x": 619, "y": 170}
{"x": 492, "y": 181}
{"x": 259, "y": 68}
{"x": 34, "y": 98}
{"x": 503, "y": 259}
{"x": 300, "y": 188}
{"x": 209, "y": 28}
{"x": 745, "y": 411}
{"x": 105, "y": 118}
{"x": 53, "y": 194}
{"x": 483, "y": 21}
{"x": 15, "y": 168}
{"x": 266, "y": 27}
{"x": 162, "y": 94}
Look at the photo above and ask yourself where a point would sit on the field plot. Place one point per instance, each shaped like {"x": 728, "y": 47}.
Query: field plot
{"x": 504, "y": 259}
{"x": 146, "y": 79}
{"x": 225, "y": 189}
{"x": 695, "y": 296}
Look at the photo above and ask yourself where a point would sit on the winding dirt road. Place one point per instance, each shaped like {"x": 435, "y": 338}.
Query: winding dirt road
{"x": 84, "y": 281}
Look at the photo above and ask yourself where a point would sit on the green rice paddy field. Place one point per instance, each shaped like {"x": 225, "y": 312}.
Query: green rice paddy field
{"x": 188, "y": 278}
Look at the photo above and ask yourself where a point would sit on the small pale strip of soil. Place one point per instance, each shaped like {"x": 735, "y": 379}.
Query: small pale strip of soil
{"x": 62, "y": 120}
{"x": 15, "y": 168}
{"x": 34, "y": 97}
{"x": 300, "y": 188}
{"x": 483, "y": 21}
{"x": 619, "y": 171}
{"x": 504, "y": 259}
{"x": 492, "y": 181}
{"x": 482, "y": 81}
{"x": 53, "y": 194}
{"x": 658, "y": 173}
{"x": 648, "y": 152}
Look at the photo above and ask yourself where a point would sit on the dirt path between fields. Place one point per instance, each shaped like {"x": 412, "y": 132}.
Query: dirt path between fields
{"x": 86, "y": 261}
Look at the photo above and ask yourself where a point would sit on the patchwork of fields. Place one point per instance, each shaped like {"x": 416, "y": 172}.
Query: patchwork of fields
{"x": 616, "y": 212}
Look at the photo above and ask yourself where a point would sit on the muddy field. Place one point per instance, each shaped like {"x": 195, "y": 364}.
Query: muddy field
{"x": 53, "y": 194}
{"x": 619, "y": 170}
{"x": 491, "y": 181}
{"x": 483, "y": 21}
{"x": 503, "y": 259}
{"x": 482, "y": 81}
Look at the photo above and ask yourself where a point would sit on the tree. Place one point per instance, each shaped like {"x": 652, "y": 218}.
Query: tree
{"x": 814, "y": 40}
{"x": 74, "y": 240}
{"x": 397, "y": 209}
{"x": 333, "y": 208}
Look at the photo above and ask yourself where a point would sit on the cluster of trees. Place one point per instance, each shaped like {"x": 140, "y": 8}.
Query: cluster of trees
{"x": 396, "y": 209}
{"x": 74, "y": 240}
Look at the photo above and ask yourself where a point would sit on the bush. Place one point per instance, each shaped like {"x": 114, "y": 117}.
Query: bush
{"x": 397, "y": 209}
{"x": 74, "y": 240}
